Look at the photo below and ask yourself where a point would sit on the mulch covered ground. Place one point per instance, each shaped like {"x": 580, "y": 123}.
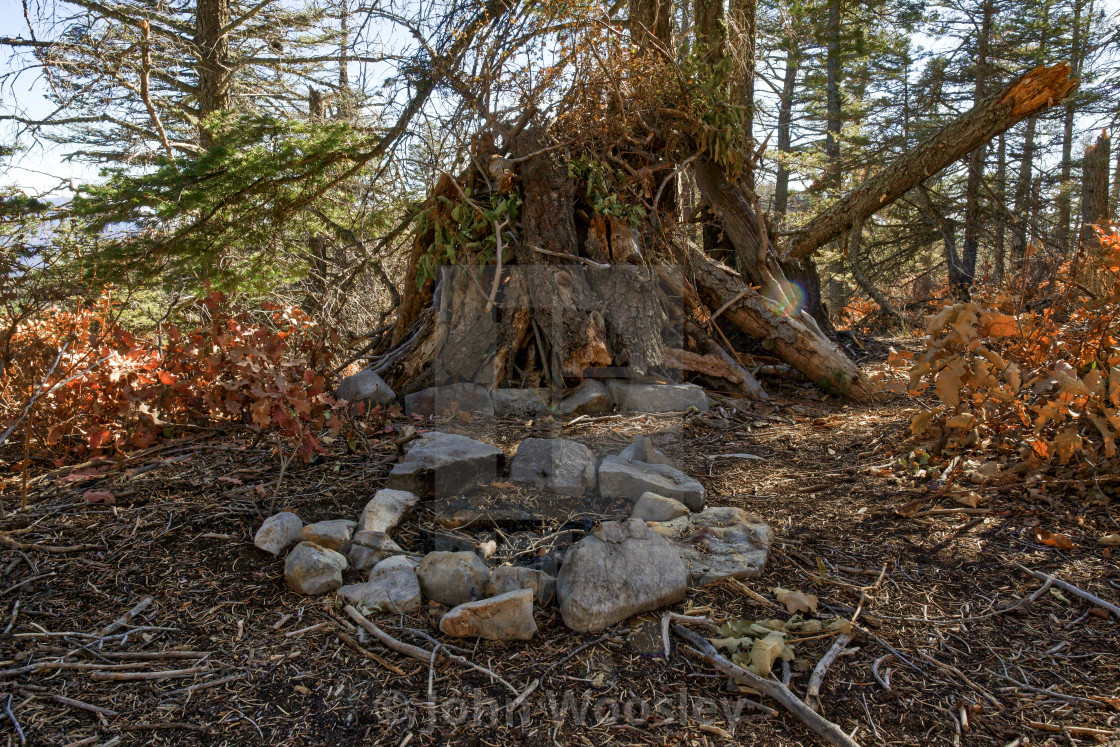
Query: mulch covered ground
{"x": 223, "y": 653}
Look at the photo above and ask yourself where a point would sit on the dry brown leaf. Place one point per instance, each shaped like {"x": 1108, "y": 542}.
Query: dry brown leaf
{"x": 972, "y": 499}
{"x": 796, "y": 601}
{"x": 1067, "y": 442}
{"x": 961, "y": 421}
{"x": 920, "y": 422}
{"x": 948, "y": 383}
{"x": 1112, "y": 540}
{"x": 1053, "y": 539}
{"x": 768, "y": 650}
{"x": 909, "y": 509}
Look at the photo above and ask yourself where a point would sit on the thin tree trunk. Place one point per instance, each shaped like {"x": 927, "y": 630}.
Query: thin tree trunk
{"x": 213, "y": 68}
{"x": 1022, "y": 198}
{"x": 1065, "y": 188}
{"x": 832, "y": 96}
{"x": 973, "y": 216}
{"x": 1033, "y": 92}
{"x": 785, "y": 119}
{"x": 1116, "y": 187}
{"x": 1001, "y": 224}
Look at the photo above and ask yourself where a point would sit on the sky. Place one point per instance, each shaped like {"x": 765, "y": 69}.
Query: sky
{"x": 43, "y": 167}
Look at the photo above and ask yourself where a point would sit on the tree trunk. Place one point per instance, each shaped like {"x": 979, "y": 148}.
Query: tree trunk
{"x": 744, "y": 15}
{"x": 1065, "y": 188}
{"x": 785, "y": 119}
{"x": 1001, "y": 224}
{"x": 1033, "y": 92}
{"x": 1022, "y": 199}
{"x": 1094, "y": 187}
{"x": 651, "y": 25}
{"x": 213, "y": 66}
{"x": 1116, "y": 188}
{"x": 832, "y": 98}
{"x": 973, "y": 215}
{"x": 797, "y": 344}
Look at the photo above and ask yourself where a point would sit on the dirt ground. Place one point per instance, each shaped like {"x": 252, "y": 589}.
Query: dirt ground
{"x": 225, "y": 654}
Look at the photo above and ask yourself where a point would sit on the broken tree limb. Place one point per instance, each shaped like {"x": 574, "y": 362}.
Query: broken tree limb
{"x": 857, "y": 272}
{"x": 1037, "y": 90}
{"x": 822, "y": 727}
{"x": 813, "y": 354}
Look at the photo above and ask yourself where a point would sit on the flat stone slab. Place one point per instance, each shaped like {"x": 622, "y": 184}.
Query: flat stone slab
{"x": 365, "y": 385}
{"x": 449, "y": 401}
{"x": 506, "y": 617}
{"x": 618, "y": 477}
{"x": 507, "y": 578}
{"x": 642, "y": 450}
{"x": 718, "y": 543}
{"x": 334, "y": 534}
{"x": 441, "y": 463}
{"x": 367, "y": 549}
{"x": 385, "y": 510}
{"x": 657, "y": 397}
{"x": 394, "y": 591}
{"x": 619, "y": 570}
{"x": 554, "y": 465}
{"x": 589, "y": 398}
{"x": 654, "y": 507}
{"x": 520, "y": 401}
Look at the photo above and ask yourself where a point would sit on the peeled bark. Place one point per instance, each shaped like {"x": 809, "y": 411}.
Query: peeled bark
{"x": 1035, "y": 91}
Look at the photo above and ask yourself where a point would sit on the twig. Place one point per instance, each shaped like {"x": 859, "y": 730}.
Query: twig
{"x": 415, "y": 652}
{"x": 12, "y": 544}
{"x": 12, "y": 717}
{"x": 142, "y": 605}
{"x": 169, "y": 674}
{"x": 1079, "y": 730}
{"x": 964, "y": 678}
{"x": 355, "y": 646}
{"x": 15, "y": 613}
{"x": 577, "y": 258}
{"x": 83, "y": 706}
{"x": 813, "y": 692}
{"x": 884, "y": 680}
{"x": 822, "y": 727}
{"x": 1066, "y": 586}
{"x": 674, "y": 617}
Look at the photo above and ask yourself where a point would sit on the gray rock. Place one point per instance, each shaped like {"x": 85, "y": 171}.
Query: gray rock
{"x": 657, "y": 397}
{"x": 618, "y": 477}
{"x": 507, "y": 578}
{"x": 334, "y": 534}
{"x": 365, "y": 385}
{"x": 506, "y": 617}
{"x": 589, "y": 398}
{"x": 385, "y": 510}
{"x": 642, "y": 451}
{"x": 619, "y": 570}
{"x": 520, "y": 401}
{"x": 449, "y": 400}
{"x": 277, "y": 532}
{"x": 394, "y": 563}
{"x": 311, "y": 569}
{"x": 654, "y": 507}
{"x": 453, "y": 578}
{"x": 718, "y": 543}
{"x": 554, "y": 465}
{"x": 393, "y": 591}
{"x": 367, "y": 549}
{"x": 445, "y": 464}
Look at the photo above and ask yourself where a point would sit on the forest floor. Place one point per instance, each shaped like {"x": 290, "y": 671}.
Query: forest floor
{"x": 251, "y": 662}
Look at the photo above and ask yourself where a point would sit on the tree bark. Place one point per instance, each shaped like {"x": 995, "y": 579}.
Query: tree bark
{"x": 1116, "y": 188}
{"x": 1001, "y": 224}
{"x": 744, "y": 15}
{"x": 1022, "y": 198}
{"x": 1065, "y": 188}
{"x": 973, "y": 216}
{"x": 1038, "y": 89}
{"x": 788, "y": 336}
{"x": 785, "y": 120}
{"x": 213, "y": 65}
{"x": 832, "y": 98}
{"x": 1094, "y": 187}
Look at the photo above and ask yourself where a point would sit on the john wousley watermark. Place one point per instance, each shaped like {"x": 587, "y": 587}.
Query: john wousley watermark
{"x": 561, "y": 708}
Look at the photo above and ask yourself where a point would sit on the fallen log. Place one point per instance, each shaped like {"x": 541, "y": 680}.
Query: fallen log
{"x": 788, "y": 336}
{"x": 1040, "y": 88}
